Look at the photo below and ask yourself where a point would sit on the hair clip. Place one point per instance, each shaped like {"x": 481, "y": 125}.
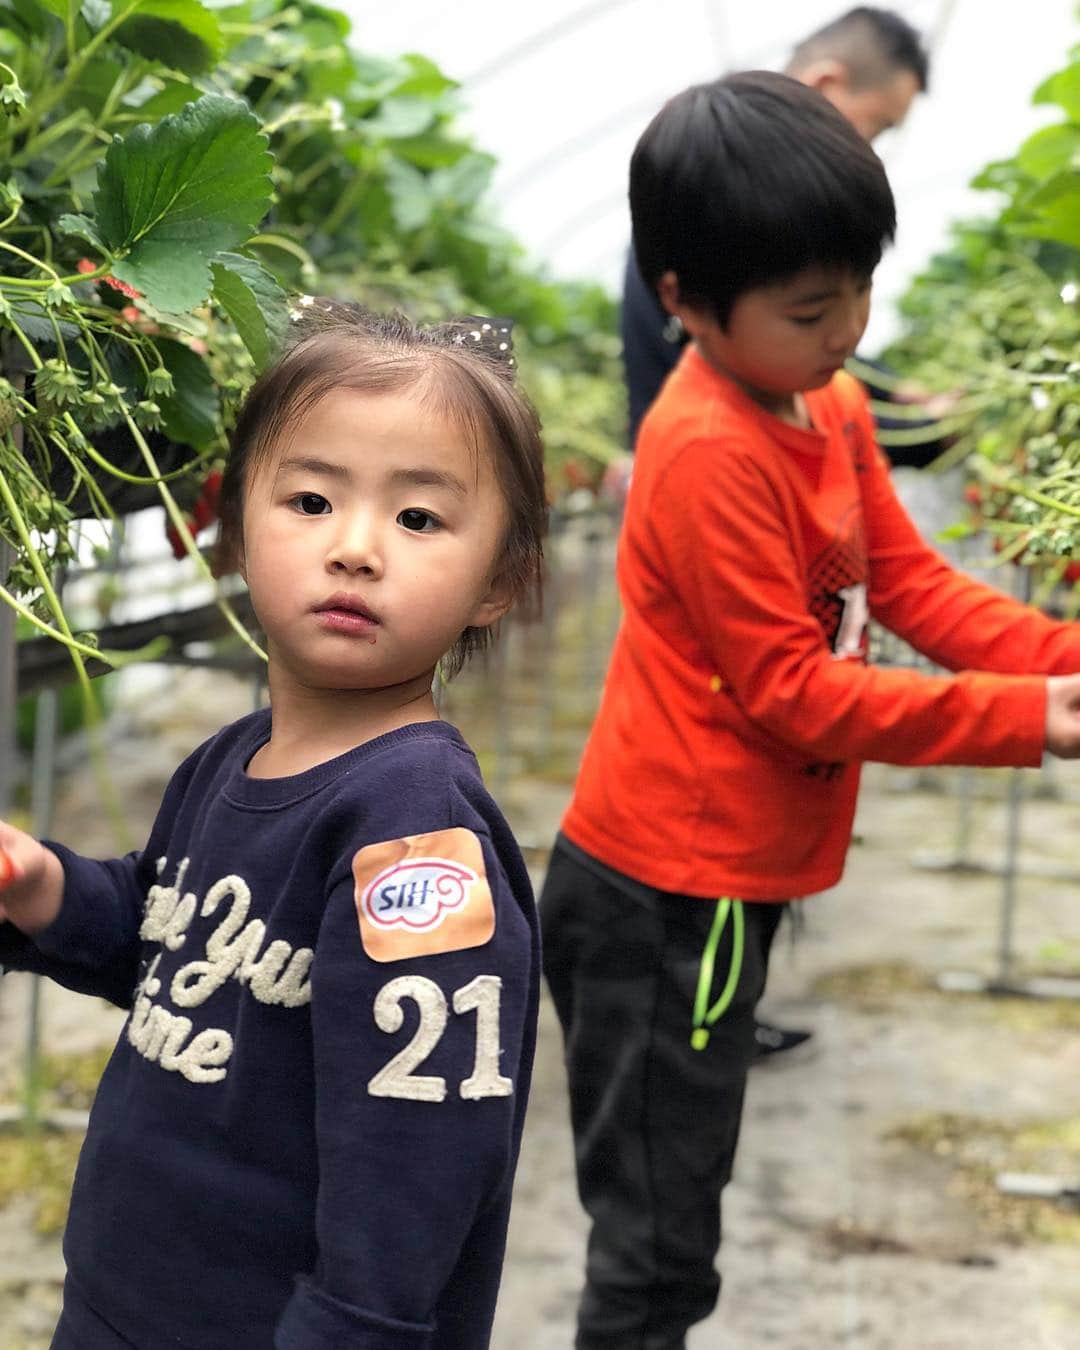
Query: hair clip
{"x": 491, "y": 336}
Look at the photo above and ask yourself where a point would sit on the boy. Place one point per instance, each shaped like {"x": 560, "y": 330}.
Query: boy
{"x": 720, "y": 778}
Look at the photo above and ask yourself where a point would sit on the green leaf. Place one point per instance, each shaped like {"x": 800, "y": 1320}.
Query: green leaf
{"x": 960, "y": 530}
{"x": 1062, "y": 88}
{"x": 1058, "y": 206}
{"x": 31, "y": 16}
{"x": 158, "y": 103}
{"x": 81, "y": 227}
{"x": 95, "y": 84}
{"x": 431, "y": 151}
{"x": 179, "y": 33}
{"x": 63, "y": 9}
{"x": 97, "y": 13}
{"x": 410, "y": 200}
{"x": 340, "y": 23}
{"x": 254, "y": 301}
{"x": 462, "y": 184}
{"x": 1050, "y": 150}
{"x": 171, "y": 196}
{"x": 398, "y": 117}
{"x": 191, "y": 415}
{"x": 425, "y": 77}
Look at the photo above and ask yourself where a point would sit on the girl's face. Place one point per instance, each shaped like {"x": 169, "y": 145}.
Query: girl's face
{"x": 371, "y": 536}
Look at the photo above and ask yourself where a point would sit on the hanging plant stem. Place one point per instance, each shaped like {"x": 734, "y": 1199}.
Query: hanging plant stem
{"x": 176, "y": 516}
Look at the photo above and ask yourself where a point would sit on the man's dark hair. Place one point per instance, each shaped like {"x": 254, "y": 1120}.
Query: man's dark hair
{"x": 749, "y": 179}
{"x": 873, "y": 45}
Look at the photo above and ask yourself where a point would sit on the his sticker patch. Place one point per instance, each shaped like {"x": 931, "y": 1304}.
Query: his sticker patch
{"x": 423, "y": 894}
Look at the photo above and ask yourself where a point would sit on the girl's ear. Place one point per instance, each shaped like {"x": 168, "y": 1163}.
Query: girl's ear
{"x": 229, "y": 555}
{"x": 493, "y": 606}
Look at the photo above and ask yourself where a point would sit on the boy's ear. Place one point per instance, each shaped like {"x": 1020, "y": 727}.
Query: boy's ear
{"x": 692, "y": 317}
{"x": 668, "y": 293}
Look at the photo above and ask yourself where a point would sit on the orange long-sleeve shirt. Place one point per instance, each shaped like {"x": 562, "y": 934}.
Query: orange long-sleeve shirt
{"x": 738, "y": 705}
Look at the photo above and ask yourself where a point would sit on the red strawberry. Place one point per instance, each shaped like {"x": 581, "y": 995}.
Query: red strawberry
{"x": 172, "y": 534}
{"x": 122, "y": 287}
{"x": 8, "y": 871}
{"x": 211, "y": 489}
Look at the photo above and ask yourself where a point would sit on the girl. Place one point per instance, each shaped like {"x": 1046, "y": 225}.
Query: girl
{"x": 306, "y": 1135}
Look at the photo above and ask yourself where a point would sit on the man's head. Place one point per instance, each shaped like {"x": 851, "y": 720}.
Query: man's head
{"x": 748, "y": 180}
{"x": 869, "y": 64}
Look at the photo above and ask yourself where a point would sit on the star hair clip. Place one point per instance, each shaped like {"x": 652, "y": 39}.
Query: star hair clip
{"x": 492, "y": 337}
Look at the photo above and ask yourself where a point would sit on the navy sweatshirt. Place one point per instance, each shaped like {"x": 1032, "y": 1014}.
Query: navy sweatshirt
{"x": 307, "y": 1133}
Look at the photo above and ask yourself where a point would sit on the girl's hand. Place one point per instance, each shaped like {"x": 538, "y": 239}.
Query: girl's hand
{"x": 31, "y": 881}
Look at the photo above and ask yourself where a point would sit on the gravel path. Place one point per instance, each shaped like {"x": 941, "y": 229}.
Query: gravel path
{"x": 840, "y": 1231}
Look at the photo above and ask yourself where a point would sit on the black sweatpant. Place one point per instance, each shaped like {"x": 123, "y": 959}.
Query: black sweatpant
{"x": 655, "y": 1121}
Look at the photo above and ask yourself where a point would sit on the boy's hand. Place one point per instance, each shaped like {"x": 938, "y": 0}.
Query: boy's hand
{"x": 31, "y": 881}
{"x": 1063, "y": 716}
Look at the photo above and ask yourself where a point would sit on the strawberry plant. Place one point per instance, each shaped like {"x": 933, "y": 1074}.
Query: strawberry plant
{"x": 997, "y": 317}
{"x": 173, "y": 172}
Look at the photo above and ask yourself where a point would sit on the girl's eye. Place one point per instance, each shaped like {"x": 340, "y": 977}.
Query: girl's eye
{"x": 807, "y": 319}
{"x": 414, "y": 519}
{"x": 311, "y": 504}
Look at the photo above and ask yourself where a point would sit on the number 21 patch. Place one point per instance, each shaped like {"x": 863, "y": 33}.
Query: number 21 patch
{"x": 423, "y": 894}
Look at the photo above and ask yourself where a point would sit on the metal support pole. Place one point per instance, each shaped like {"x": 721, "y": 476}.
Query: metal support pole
{"x": 7, "y": 689}
{"x": 1013, "y": 814}
{"x": 590, "y": 585}
{"x": 497, "y": 671}
{"x": 43, "y": 781}
{"x": 547, "y": 674}
{"x": 1004, "y": 983}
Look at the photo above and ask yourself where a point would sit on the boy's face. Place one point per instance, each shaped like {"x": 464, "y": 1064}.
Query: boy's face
{"x": 785, "y": 338}
{"x": 371, "y": 536}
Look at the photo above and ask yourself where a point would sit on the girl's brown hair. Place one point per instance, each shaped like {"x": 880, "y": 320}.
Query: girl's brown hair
{"x": 464, "y": 368}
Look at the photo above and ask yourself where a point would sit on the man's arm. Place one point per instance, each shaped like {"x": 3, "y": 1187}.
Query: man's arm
{"x": 649, "y": 352}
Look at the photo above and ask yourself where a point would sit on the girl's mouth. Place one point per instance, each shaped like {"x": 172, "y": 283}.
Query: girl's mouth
{"x": 344, "y": 613}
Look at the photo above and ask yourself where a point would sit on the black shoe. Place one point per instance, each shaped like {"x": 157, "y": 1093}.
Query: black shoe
{"x": 770, "y": 1040}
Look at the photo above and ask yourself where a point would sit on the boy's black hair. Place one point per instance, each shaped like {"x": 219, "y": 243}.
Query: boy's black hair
{"x": 338, "y": 345}
{"x": 872, "y": 43}
{"x": 749, "y": 179}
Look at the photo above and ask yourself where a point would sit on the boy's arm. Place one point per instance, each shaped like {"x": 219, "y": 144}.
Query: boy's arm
{"x": 419, "y": 1068}
{"x": 727, "y": 533}
{"x": 957, "y": 622}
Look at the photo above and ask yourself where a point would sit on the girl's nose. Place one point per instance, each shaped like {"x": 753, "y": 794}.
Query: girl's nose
{"x": 356, "y": 548}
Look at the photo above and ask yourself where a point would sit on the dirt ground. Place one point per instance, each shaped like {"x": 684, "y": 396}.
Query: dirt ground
{"x": 864, "y": 1212}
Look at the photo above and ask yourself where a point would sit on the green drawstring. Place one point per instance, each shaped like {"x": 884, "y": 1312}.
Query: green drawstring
{"x": 704, "y": 1016}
